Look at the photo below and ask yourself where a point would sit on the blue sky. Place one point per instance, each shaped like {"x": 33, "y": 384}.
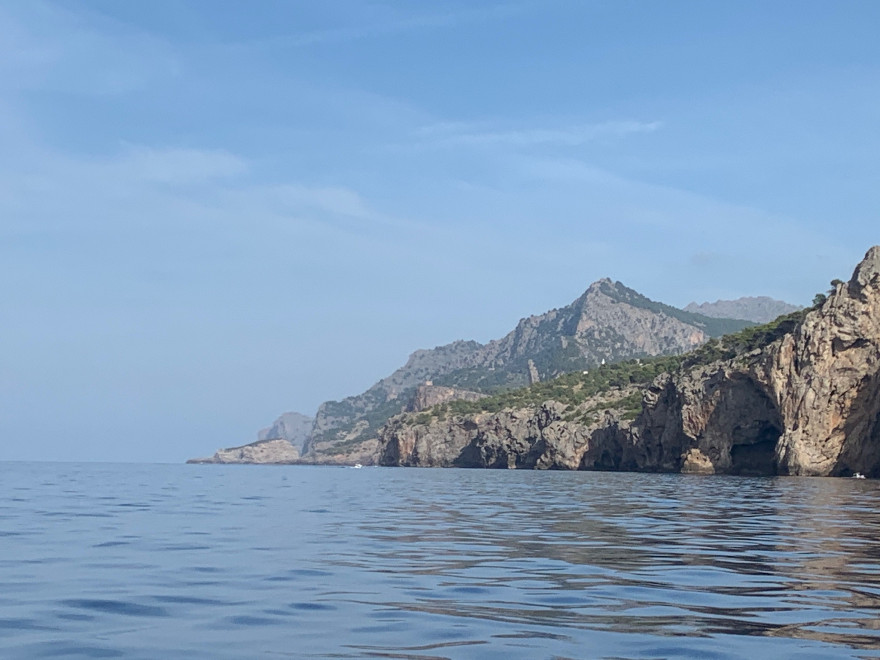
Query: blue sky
{"x": 213, "y": 212}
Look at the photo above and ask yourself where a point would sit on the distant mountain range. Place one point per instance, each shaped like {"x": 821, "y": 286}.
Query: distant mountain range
{"x": 608, "y": 323}
{"x": 760, "y": 309}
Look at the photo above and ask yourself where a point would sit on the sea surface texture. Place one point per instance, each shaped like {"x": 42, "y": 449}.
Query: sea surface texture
{"x": 167, "y": 561}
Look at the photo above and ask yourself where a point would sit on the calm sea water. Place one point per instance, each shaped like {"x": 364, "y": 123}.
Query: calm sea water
{"x": 166, "y": 561}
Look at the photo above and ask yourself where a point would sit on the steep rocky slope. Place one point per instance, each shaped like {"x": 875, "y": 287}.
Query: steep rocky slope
{"x": 759, "y": 309}
{"x": 799, "y": 396}
{"x": 608, "y": 323}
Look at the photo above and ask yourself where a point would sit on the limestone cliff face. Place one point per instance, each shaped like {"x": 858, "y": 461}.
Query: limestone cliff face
{"x": 825, "y": 379}
{"x": 541, "y": 438}
{"x": 806, "y": 402}
{"x": 429, "y": 395}
{"x": 262, "y": 451}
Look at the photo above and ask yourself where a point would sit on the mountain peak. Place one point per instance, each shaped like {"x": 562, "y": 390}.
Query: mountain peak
{"x": 758, "y": 309}
{"x": 601, "y": 285}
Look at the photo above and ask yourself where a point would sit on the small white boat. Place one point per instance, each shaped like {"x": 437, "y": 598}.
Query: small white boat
{"x": 358, "y": 465}
{"x": 858, "y": 475}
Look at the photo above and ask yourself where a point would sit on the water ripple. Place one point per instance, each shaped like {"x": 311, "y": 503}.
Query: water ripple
{"x": 202, "y": 562}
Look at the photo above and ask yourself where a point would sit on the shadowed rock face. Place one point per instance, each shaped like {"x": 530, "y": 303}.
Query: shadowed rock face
{"x": 716, "y": 419}
{"x": 806, "y": 404}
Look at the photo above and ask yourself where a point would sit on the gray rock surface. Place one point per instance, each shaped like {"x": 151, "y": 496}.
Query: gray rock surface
{"x": 429, "y": 395}
{"x": 544, "y": 437}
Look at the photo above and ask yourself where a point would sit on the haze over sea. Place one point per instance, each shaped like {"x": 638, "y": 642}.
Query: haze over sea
{"x": 172, "y": 561}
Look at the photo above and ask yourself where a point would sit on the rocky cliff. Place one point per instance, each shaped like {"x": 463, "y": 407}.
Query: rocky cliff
{"x": 608, "y": 323}
{"x": 799, "y": 396}
{"x": 429, "y": 395}
{"x": 758, "y": 309}
{"x": 542, "y": 437}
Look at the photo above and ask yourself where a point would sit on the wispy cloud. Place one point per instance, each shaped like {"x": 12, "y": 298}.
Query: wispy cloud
{"x": 463, "y": 134}
{"x": 180, "y": 166}
{"x": 328, "y": 199}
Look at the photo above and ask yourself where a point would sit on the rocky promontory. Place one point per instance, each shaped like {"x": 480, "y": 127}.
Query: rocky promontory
{"x": 277, "y": 450}
{"x": 798, "y": 396}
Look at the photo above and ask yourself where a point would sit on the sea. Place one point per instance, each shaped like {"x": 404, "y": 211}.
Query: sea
{"x": 207, "y": 561}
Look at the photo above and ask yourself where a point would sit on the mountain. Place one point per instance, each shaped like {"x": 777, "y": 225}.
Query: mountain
{"x": 797, "y": 396}
{"x": 290, "y": 426}
{"x": 280, "y": 443}
{"x": 760, "y": 309}
{"x": 606, "y": 324}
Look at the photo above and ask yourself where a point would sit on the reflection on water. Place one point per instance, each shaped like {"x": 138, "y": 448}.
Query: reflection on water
{"x": 231, "y": 562}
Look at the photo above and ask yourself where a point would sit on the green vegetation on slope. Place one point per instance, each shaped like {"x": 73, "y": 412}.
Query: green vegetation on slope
{"x": 573, "y": 389}
{"x": 570, "y": 389}
{"x": 744, "y": 341}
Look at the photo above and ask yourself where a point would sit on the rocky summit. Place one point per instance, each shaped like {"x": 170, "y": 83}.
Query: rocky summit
{"x": 798, "y": 396}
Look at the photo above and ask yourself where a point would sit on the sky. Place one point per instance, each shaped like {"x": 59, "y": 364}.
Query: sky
{"x": 213, "y": 212}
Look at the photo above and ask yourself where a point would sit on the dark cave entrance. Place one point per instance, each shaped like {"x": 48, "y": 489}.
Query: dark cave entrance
{"x": 747, "y": 424}
{"x": 757, "y": 458}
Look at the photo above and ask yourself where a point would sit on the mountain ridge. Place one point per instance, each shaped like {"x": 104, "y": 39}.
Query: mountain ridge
{"x": 607, "y": 323}
{"x": 758, "y": 309}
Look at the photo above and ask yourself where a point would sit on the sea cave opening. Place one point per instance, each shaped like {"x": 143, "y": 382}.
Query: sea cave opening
{"x": 757, "y": 458}
{"x": 747, "y": 424}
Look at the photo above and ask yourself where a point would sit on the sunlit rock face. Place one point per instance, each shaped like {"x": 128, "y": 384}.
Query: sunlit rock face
{"x": 825, "y": 378}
